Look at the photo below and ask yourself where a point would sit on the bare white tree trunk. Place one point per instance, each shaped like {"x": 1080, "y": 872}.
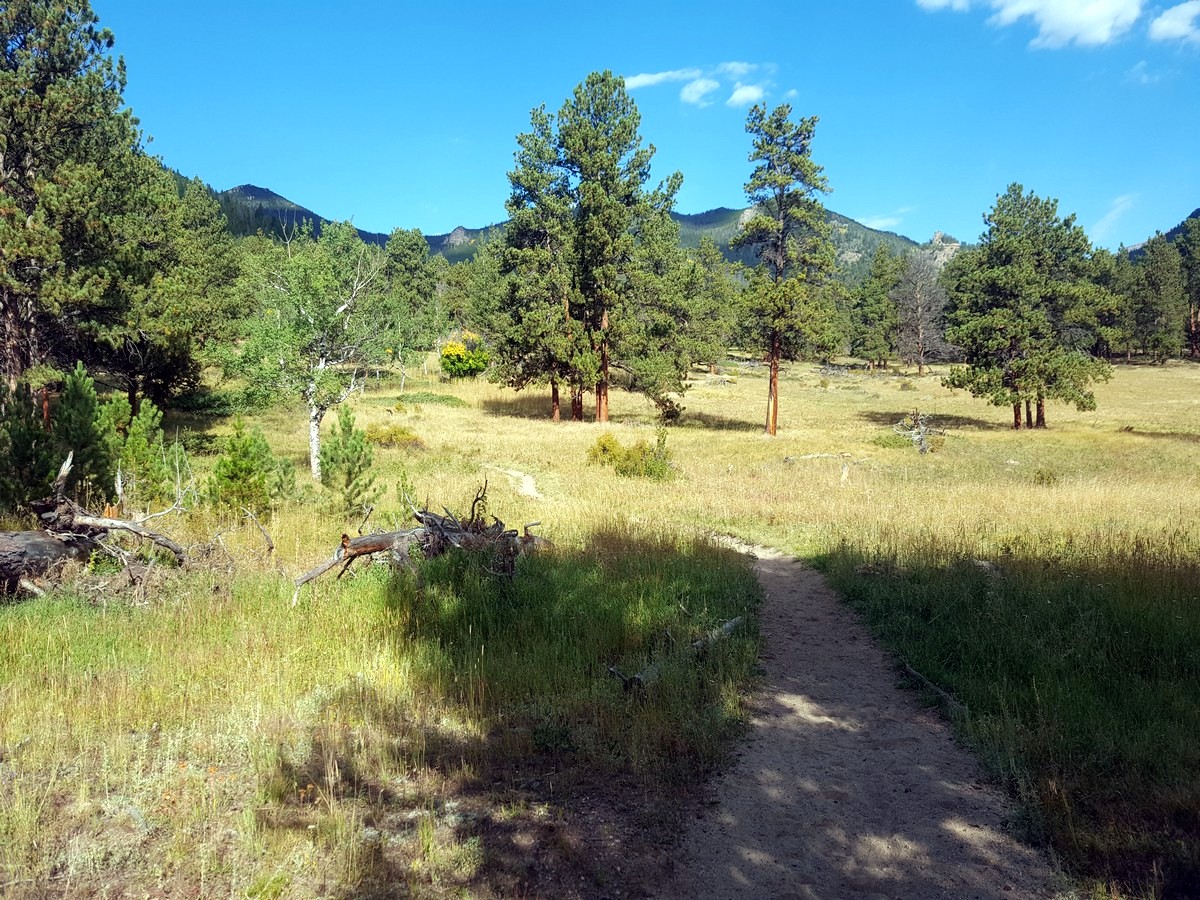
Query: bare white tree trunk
{"x": 315, "y": 415}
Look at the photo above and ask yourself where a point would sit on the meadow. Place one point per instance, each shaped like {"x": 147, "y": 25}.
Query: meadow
{"x": 442, "y": 728}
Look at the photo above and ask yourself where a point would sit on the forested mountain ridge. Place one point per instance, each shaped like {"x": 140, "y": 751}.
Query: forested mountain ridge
{"x": 250, "y": 208}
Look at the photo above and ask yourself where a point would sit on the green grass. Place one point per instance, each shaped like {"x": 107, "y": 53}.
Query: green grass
{"x": 203, "y": 732}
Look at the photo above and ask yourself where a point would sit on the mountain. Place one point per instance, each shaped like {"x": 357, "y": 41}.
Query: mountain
{"x": 1175, "y": 232}
{"x": 251, "y": 209}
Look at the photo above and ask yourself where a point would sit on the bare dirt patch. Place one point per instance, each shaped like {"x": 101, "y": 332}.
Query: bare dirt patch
{"x": 847, "y": 786}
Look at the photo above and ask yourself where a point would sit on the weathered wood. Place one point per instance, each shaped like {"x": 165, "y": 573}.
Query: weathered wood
{"x": 26, "y": 553}
{"x": 436, "y": 535}
{"x": 69, "y": 532}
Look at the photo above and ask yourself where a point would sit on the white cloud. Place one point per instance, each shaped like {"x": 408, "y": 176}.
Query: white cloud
{"x": 1060, "y": 22}
{"x": 1141, "y": 74}
{"x": 1177, "y": 23}
{"x": 791, "y": 95}
{"x": 882, "y": 223}
{"x": 1103, "y": 229}
{"x": 696, "y": 91}
{"x": 648, "y": 79}
{"x": 736, "y": 69}
{"x": 746, "y": 94}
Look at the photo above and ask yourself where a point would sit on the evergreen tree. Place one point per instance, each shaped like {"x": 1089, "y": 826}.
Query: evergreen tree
{"x": 790, "y": 235}
{"x": 1160, "y": 304}
{"x": 1189, "y": 249}
{"x": 589, "y": 258}
{"x": 346, "y": 460}
{"x": 81, "y": 429}
{"x": 874, "y": 314}
{"x": 66, "y": 151}
{"x": 1015, "y": 301}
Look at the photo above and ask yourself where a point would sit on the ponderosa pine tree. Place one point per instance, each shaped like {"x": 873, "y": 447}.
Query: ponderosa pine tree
{"x": 1014, "y": 300}
{"x": 1188, "y": 244}
{"x": 791, "y": 239}
{"x": 582, "y": 257}
{"x": 64, "y": 143}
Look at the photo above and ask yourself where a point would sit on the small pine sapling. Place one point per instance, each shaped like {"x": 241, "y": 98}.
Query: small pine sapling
{"x": 346, "y": 459}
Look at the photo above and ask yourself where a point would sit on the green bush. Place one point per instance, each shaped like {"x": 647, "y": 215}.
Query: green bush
{"x": 346, "y": 459}
{"x": 80, "y": 427}
{"x": 464, "y": 358}
{"x": 27, "y": 457}
{"x": 638, "y": 461}
{"x": 243, "y": 476}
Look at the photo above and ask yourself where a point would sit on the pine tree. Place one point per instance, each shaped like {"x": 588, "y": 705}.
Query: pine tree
{"x": 875, "y": 317}
{"x": 1014, "y": 301}
{"x": 790, "y": 236}
{"x": 346, "y": 460}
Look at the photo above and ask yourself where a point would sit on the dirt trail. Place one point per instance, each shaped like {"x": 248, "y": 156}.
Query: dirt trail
{"x": 847, "y": 788}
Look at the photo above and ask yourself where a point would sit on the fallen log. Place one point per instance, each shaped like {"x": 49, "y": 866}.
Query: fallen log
{"x": 436, "y": 535}
{"x": 69, "y": 532}
{"x": 29, "y": 553}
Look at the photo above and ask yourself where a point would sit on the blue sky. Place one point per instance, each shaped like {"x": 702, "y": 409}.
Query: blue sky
{"x": 398, "y": 114}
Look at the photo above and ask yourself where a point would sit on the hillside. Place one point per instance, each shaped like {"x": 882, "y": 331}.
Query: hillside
{"x": 251, "y": 209}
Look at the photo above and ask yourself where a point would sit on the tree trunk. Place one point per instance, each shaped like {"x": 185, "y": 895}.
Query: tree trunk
{"x": 602, "y": 384}
{"x": 1041, "y": 412}
{"x": 26, "y": 553}
{"x": 46, "y": 407}
{"x": 12, "y": 360}
{"x": 576, "y": 403}
{"x": 315, "y": 415}
{"x": 1017, "y": 416}
{"x": 1028, "y": 413}
{"x": 773, "y": 387}
{"x": 133, "y": 394}
{"x": 554, "y": 407}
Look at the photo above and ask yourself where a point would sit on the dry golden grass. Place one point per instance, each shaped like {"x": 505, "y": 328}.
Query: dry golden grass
{"x": 216, "y": 738}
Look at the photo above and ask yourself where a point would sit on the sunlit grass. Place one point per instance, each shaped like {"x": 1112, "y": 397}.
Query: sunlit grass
{"x": 212, "y": 734}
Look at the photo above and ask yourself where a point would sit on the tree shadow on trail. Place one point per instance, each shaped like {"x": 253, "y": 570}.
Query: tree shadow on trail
{"x": 717, "y": 423}
{"x": 879, "y": 417}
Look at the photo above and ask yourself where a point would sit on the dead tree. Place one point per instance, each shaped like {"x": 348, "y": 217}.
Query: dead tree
{"x": 436, "y": 534}
{"x": 67, "y": 532}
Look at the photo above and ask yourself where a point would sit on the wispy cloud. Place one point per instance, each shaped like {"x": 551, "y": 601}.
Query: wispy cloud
{"x": 703, "y": 83}
{"x": 648, "y": 79}
{"x": 888, "y": 221}
{"x": 736, "y": 69}
{"x": 1178, "y": 23}
{"x": 791, "y": 95}
{"x": 1103, "y": 229}
{"x": 1142, "y": 74}
{"x": 696, "y": 92}
{"x": 1059, "y": 22}
{"x": 746, "y": 94}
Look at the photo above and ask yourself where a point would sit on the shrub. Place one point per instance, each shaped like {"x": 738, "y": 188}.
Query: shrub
{"x": 393, "y": 436}
{"x": 27, "y": 463}
{"x": 346, "y": 459}
{"x": 464, "y": 358}
{"x": 80, "y": 428}
{"x": 242, "y": 476}
{"x": 907, "y": 385}
{"x": 641, "y": 460}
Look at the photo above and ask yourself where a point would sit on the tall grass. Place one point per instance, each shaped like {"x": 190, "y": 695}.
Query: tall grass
{"x": 209, "y": 735}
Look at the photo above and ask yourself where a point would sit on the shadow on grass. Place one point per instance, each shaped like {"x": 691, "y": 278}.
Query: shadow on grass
{"x": 523, "y": 768}
{"x": 526, "y": 406}
{"x": 1079, "y": 665}
{"x": 692, "y": 419}
{"x": 880, "y": 417}
{"x": 1182, "y": 436}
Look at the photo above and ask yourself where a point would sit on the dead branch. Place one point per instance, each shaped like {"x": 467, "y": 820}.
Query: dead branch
{"x": 436, "y": 534}
{"x": 698, "y": 648}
